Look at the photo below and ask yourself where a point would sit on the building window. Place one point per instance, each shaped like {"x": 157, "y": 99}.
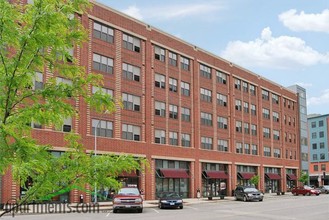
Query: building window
{"x": 238, "y": 105}
{"x": 172, "y": 59}
{"x": 185, "y": 63}
{"x": 265, "y": 95}
{"x": 266, "y": 113}
{"x": 222, "y": 122}
{"x": 66, "y": 126}
{"x": 245, "y": 86}
{"x": 205, "y": 95}
{"x": 254, "y": 150}
{"x": 38, "y": 81}
{"x": 252, "y": 89}
{"x": 245, "y": 107}
{"x": 321, "y": 134}
{"x": 320, "y": 124}
{"x": 313, "y": 135}
{"x": 313, "y": 124}
{"x": 315, "y": 157}
{"x": 267, "y": 152}
{"x": 172, "y": 84}
{"x": 186, "y": 114}
{"x": 173, "y": 138}
{"x": 222, "y": 145}
{"x": 237, "y": 84}
{"x": 254, "y": 130}
{"x": 131, "y": 132}
{"x": 314, "y": 146}
{"x": 275, "y": 98}
{"x": 102, "y": 63}
{"x": 185, "y": 88}
{"x": 66, "y": 82}
{"x": 131, "y": 43}
{"x": 160, "y": 137}
{"x": 131, "y": 72}
{"x": 247, "y": 148}
{"x": 238, "y": 126}
{"x": 266, "y": 133}
{"x": 102, "y": 90}
{"x": 277, "y": 153}
{"x": 246, "y": 128}
{"x": 206, "y": 119}
{"x": 160, "y": 109}
{"x": 238, "y": 148}
{"x": 160, "y": 81}
{"x": 221, "y": 77}
{"x": 205, "y": 71}
{"x": 173, "y": 111}
{"x": 34, "y": 124}
{"x": 103, "y": 32}
{"x": 323, "y": 167}
{"x": 275, "y": 116}
{"x": 159, "y": 54}
{"x": 206, "y": 143}
{"x": 322, "y": 145}
{"x": 316, "y": 167}
{"x": 276, "y": 135}
{"x": 104, "y": 128}
{"x": 186, "y": 140}
{"x": 253, "y": 109}
{"x": 221, "y": 100}
{"x": 131, "y": 102}
{"x": 322, "y": 156}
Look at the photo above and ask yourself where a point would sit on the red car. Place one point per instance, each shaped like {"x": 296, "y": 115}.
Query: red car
{"x": 128, "y": 198}
{"x": 305, "y": 190}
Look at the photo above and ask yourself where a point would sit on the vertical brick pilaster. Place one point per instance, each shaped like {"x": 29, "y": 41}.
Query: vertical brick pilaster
{"x": 193, "y": 176}
{"x": 117, "y": 92}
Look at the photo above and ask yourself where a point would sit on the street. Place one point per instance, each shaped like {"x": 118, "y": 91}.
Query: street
{"x": 281, "y": 207}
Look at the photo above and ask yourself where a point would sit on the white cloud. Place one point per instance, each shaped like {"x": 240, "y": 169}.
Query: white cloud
{"x": 306, "y": 22}
{"x": 134, "y": 12}
{"x": 304, "y": 85}
{"x": 320, "y": 100}
{"x": 171, "y": 11}
{"x": 275, "y": 52}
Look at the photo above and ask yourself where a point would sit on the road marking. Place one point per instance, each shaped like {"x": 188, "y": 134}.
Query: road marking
{"x": 156, "y": 210}
{"x": 108, "y": 214}
{"x": 191, "y": 207}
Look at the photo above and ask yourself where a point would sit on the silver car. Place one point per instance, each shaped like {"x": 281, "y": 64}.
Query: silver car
{"x": 324, "y": 189}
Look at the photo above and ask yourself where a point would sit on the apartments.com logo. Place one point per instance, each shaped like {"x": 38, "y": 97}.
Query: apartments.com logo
{"x": 47, "y": 206}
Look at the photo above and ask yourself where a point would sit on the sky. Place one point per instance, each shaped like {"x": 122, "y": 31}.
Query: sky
{"x": 286, "y": 42}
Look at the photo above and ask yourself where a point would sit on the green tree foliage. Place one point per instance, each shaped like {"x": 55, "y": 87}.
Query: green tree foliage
{"x": 303, "y": 178}
{"x": 255, "y": 180}
{"x": 38, "y": 37}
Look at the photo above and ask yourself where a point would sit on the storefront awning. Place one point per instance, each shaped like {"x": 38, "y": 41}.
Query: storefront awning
{"x": 212, "y": 174}
{"x": 291, "y": 176}
{"x": 246, "y": 176}
{"x": 273, "y": 176}
{"x": 174, "y": 173}
{"x": 127, "y": 174}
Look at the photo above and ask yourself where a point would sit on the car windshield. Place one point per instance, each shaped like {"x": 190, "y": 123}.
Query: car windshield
{"x": 307, "y": 187}
{"x": 250, "y": 190}
{"x": 129, "y": 191}
{"x": 326, "y": 187}
{"x": 173, "y": 195}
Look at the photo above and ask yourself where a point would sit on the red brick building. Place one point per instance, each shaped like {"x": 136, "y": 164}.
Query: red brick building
{"x": 201, "y": 121}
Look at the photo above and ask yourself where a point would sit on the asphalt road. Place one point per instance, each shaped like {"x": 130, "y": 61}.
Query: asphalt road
{"x": 281, "y": 207}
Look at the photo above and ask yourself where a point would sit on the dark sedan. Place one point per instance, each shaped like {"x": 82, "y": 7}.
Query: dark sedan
{"x": 170, "y": 200}
{"x": 247, "y": 193}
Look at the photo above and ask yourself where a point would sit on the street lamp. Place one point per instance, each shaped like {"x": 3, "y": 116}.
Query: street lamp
{"x": 95, "y": 154}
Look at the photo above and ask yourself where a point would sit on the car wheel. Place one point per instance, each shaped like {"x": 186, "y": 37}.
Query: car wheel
{"x": 160, "y": 206}
{"x": 245, "y": 199}
{"x": 181, "y": 207}
{"x": 261, "y": 200}
{"x": 327, "y": 192}
{"x": 295, "y": 194}
{"x": 139, "y": 210}
{"x": 115, "y": 211}
{"x": 308, "y": 194}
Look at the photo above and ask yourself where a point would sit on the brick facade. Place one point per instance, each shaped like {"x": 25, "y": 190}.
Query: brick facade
{"x": 148, "y": 122}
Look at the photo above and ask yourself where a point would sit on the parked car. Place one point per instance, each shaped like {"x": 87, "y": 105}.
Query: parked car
{"x": 305, "y": 190}
{"x": 248, "y": 193}
{"x": 170, "y": 200}
{"x": 324, "y": 189}
{"x": 128, "y": 198}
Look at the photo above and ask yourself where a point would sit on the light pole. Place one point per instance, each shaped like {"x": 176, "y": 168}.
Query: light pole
{"x": 95, "y": 154}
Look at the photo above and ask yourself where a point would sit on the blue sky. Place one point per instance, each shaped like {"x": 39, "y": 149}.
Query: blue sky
{"x": 284, "y": 41}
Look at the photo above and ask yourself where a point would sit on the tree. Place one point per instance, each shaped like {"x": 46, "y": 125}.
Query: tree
{"x": 255, "y": 180}
{"x": 303, "y": 178}
{"x": 38, "y": 38}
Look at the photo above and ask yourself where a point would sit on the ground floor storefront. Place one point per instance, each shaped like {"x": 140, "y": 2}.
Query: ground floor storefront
{"x": 188, "y": 177}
